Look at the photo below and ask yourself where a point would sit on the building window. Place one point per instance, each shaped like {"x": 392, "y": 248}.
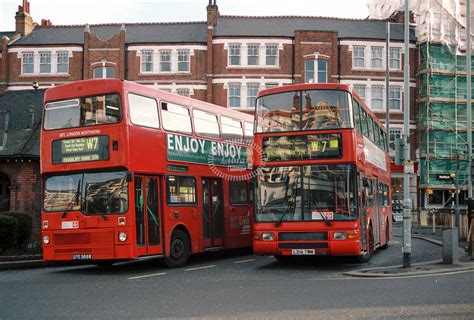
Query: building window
{"x": 271, "y": 85}
{"x": 28, "y": 62}
{"x": 271, "y": 54}
{"x": 316, "y": 71}
{"x": 394, "y": 98}
{"x": 377, "y": 98}
{"x": 183, "y": 92}
{"x": 147, "y": 61}
{"x": 4, "y": 192}
{"x": 183, "y": 60}
{"x": 358, "y": 57}
{"x": 234, "y": 55}
{"x": 62, "y": 61}
{"x": 252, "y": 90}
{"x": 104, "y": 72}
{"x": 376, "y": 57}
{"x": 360, "y": 90}
{"x": 45, "y": 62}
{"x": 395, "y": 58}
{"x": 252, "y": 56}
{"x": 394, "y": 134}
{"x": 165, "y": 61}
{"x": 234, "y": 95}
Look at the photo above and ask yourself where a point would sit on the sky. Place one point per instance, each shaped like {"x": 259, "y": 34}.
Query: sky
{"x": 67, "y": 12}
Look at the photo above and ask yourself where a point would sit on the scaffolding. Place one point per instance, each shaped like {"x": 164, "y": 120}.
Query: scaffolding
{"x": 441, "y": 87}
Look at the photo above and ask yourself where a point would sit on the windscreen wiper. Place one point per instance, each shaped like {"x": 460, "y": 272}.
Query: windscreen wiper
{"x": 315, "y": 205}
{"x": 74, "y": 200}
{"x": 291, "y": 201}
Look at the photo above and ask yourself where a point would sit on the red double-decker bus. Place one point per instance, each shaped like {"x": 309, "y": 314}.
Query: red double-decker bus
{"x": 323, "y": 179}
{"x": 129, "y": 171}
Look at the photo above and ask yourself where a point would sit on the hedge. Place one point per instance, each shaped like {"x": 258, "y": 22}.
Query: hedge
{"x": 8, "y": 232}
{"x": 15, "y": 230}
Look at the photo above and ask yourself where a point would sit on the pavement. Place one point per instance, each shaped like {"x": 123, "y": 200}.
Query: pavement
{"x": 465, "y": 264}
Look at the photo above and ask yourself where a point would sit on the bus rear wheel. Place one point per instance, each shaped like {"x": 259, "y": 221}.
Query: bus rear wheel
{"x": 179, "y": 250}
{"x": 370, "y": 248}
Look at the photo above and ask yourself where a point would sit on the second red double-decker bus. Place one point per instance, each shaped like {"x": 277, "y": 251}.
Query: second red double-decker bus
{"x": 129, "y": 171}
{"x": 323, "y": 179}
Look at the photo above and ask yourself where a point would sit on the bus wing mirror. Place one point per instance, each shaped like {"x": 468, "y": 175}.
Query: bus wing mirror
{"x": 129, "y": 177}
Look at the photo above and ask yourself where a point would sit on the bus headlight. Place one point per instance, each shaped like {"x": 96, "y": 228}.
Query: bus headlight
{"x": 46, "y": 239}
{"x": 268, "y": 236}
{"x": 122, "y": 236}
{"x": 339, "y": 236}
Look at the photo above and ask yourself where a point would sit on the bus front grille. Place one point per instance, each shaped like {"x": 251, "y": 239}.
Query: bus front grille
{"x": 315, "y": 245}
{"x": 309, "y": 236}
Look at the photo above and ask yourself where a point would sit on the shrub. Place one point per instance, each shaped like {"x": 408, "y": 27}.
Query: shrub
{"x": 25, "y": 222}
{"x": 8, "y": 232}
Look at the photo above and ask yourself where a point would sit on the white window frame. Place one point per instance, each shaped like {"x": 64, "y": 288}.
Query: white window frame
{"x": 183, "y": 59}
{"x": 376, "y": 57}
{"x": 316, "y": 70}
{"x": 45, "y": 61}
{"x": 232, "y": 91}
{"x": 395, "y": 94}
{"x": 28, "y": 58}
{"x": 183, "y": 92}
{"x": 393, "y": 133}
{"x": 165, "y": 53}
{"x": 361, "y": 90}
{"x": 62, "y": 58}
{"x": 235, "y": 51}
{"x": 271, "y": 50}
{"x": 395, "y": 58}
{"x": 252, "y": 96}
{"x": 147, "y": 59}
{"x": 377, "y": 98}
{"x": 253, "y": 50}
{"x": 358, "y": 57}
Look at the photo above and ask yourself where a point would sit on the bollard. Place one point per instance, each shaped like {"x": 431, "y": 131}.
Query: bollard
{"x": 434, "y": 223}
{"x": 450, "y": 246}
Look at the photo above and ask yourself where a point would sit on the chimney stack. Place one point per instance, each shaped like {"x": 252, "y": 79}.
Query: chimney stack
{"x": 212, "y": 13}
{"x": 24, "y": 22}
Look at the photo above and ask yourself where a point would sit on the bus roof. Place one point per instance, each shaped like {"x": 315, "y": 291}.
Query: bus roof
{"x": 98, "y": 86}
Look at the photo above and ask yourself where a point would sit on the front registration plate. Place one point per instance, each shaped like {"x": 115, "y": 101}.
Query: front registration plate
{"x": 81, "y": 257}
{"x": 303, "y": 252}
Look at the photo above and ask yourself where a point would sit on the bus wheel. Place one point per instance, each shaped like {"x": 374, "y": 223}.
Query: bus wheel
{"x": 368, "y": 255}
{"x": 179, "y": 250}
{"x": 387, "y": 236}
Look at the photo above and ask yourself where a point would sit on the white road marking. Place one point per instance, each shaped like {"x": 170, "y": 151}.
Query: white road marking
{"x": 147, "y": 276}
{"x": 199, "y": 268}
{"x": 244, "y": 261}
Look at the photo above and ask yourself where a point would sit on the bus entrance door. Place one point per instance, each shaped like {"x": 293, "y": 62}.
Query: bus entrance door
{"x": 147, "y": 216}
{"x": 213, "y": 212}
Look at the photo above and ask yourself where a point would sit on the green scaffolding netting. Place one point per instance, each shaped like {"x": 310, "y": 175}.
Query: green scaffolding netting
{"x": 442, "y": 115}
{"x": 442, "y": 86}
{"x": 441, "y": 57}
{"x": 431, "y": 168}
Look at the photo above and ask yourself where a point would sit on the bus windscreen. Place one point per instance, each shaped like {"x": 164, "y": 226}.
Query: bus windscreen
{"x": 303, "y": 110}
{"x": 306, "y": 193}
{"x": 81, "y": 112}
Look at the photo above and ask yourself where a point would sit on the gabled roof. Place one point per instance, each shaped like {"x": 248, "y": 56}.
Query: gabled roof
{"x": 285, "y": 26}
{"x": 22, "y": 134}
{"x": 190, "y": 32}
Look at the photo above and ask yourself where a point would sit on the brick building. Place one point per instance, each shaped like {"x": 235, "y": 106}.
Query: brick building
{"x": 224, "y": 60}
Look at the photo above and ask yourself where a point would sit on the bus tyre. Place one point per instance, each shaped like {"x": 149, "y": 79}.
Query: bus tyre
{"x": 179, "y": 250}
{"x": 387, "y": 236}
{"x": 371, "y": 248}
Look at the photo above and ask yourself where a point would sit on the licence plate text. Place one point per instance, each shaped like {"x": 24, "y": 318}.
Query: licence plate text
{"x": 81, "y": 257}
{"x": 303, "y": 252}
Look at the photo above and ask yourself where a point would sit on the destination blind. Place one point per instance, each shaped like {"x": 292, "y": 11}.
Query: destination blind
{"x": 302, "y": 147}
{"x": 80, "y": 149}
